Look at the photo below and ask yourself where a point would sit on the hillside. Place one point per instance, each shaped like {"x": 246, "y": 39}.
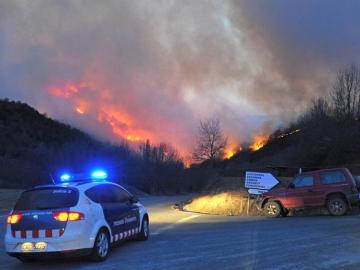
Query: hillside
{"x": 33, "y": 147}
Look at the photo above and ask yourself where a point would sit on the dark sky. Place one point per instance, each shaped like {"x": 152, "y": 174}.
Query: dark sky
{"x": 152, "y": 69}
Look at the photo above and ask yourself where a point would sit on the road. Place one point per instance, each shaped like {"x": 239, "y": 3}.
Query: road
{"x": 183, "y": 240}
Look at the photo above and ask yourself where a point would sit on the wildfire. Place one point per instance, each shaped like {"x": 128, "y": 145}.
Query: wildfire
{"x": 67, "y": 91}
{"x": 258, "y": 142}
{"x": 122, "y": 124}
{"x": 287, "y": 134}
{"x": 133, "y": 138}
{"x": 80, "y": 110}
{"x": 231, "y": 151}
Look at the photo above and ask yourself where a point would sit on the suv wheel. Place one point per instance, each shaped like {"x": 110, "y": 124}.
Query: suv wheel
{"x": 272, "y": 209}
{"x": 337, "y": 206}
{"x": 101, "y": 246}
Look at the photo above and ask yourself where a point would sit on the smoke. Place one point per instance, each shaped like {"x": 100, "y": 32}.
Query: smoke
{"x": 152, "y": 69}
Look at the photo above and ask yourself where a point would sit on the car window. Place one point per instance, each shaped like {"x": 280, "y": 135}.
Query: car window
{"x": 107, "y": 194}
{"x": 121, "y": 195}
{"x": 47, "y": 198}
{"x": 304, "y": 181}
{"x": 332, "y": 177}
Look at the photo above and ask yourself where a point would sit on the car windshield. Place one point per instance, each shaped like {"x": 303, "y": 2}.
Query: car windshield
{"x": 47, "y": 198}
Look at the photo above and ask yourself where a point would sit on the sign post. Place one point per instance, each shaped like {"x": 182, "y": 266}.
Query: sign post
{"x": 259, "y": 182}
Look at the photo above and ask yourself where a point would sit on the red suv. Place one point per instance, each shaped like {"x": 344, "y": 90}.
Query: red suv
{"x": 335, "y": 189}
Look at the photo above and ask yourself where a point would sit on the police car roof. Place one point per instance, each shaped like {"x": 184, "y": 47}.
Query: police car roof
{"x": 85, "y": 183}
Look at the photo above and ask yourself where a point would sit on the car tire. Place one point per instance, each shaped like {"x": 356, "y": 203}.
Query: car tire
{"x": 337, "y": 206}
{"x": 145, "y": 230}
{"x": 101, "y": 246}
{"x": 272, "y": 209}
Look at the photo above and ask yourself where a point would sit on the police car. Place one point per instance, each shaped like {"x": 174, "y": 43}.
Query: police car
{"x": 81, "y": 215}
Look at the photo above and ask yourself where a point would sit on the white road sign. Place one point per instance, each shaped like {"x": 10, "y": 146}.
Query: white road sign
{"x": 260, "y": 180}
{"x": 256, "y": 191}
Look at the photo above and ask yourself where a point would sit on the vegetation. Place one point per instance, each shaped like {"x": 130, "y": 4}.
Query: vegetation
{"x": 210, "y": 143}
{"x": 326, "y": 134}
{"x": 35, "y": 148}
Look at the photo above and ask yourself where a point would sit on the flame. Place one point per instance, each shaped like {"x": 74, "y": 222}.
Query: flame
{"x": 288, "y": 134}
{"x": 121, "y": 124}
{"x": 80, "y": 110}
{"x": 133, "y": 138}
{"x": 67, "y": 91}
{"x": 229, "y": 153}
{"x": 258, "y": 142}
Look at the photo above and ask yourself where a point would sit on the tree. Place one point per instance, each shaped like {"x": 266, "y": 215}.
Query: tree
{"x": 346, "y": 93}
{"x": 317, "y": 113}
{"x": 210, "y": 142}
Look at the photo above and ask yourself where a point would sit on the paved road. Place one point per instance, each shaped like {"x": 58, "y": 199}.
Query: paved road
{"x": 192, "y": 241}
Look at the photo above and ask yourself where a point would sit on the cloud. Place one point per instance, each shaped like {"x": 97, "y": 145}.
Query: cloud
{"x": 152, "y": 69}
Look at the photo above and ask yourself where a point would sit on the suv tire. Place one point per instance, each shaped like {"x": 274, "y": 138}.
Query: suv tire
{"x": 272, "y": 209}
{"x": 337, "y": 206}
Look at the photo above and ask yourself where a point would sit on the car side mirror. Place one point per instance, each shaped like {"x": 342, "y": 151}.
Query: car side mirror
{"x": 134, "y": 200}
{"x": 291, "y": 185}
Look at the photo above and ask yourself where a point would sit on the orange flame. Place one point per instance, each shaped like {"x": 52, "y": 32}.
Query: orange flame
{"x": 121, "y": 123}
{"x": 133, "y": 138}
{"x": 231, "y": 151}
{"x": 258, "y": 142}
{"x": 80, "y": 110}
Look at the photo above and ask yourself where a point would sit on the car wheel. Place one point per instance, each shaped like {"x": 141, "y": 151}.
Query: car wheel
{"x": 272, "y": 209}
{"x": 145, "y": 230}
{"x": 101, "y": 246}
{"x": 337, "y": 206}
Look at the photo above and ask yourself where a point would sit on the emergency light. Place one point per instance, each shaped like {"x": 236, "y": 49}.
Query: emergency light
{"x": 65, "y": 177}
{"x": 99, "y": 175}
{"x": 95, "y": 175}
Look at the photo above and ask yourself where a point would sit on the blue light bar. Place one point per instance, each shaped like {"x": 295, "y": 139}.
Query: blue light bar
{"x": 65, "y": 177}
{"x": 99, "y": 175}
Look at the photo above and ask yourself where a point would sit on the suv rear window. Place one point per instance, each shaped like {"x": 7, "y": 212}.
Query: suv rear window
{"x": 47, "y": 198}
{"x": 332, "y": 177}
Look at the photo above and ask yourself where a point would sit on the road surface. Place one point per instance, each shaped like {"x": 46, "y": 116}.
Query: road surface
{"x": 182, "y": 240}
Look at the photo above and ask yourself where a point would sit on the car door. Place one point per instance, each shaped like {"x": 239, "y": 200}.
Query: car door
{"x": 115, "y": 209}
{"x": 301, "y": 193}
{"x": 132, "y": 218}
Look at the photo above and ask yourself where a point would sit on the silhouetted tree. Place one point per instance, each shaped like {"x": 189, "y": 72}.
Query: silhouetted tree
{"x": 346, "y": 93}
{"x": 211, "y": 141}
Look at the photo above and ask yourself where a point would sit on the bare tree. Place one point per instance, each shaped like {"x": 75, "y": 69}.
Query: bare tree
{"x": 210, "y": 141}
{"x": 346, "y": 93}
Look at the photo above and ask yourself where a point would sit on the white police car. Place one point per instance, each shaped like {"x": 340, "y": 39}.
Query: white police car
{"x": 80, "y": 216}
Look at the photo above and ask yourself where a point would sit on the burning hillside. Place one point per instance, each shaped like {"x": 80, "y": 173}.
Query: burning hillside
{"x": 122, "y": 125}
{"x": 258, "y": 142}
